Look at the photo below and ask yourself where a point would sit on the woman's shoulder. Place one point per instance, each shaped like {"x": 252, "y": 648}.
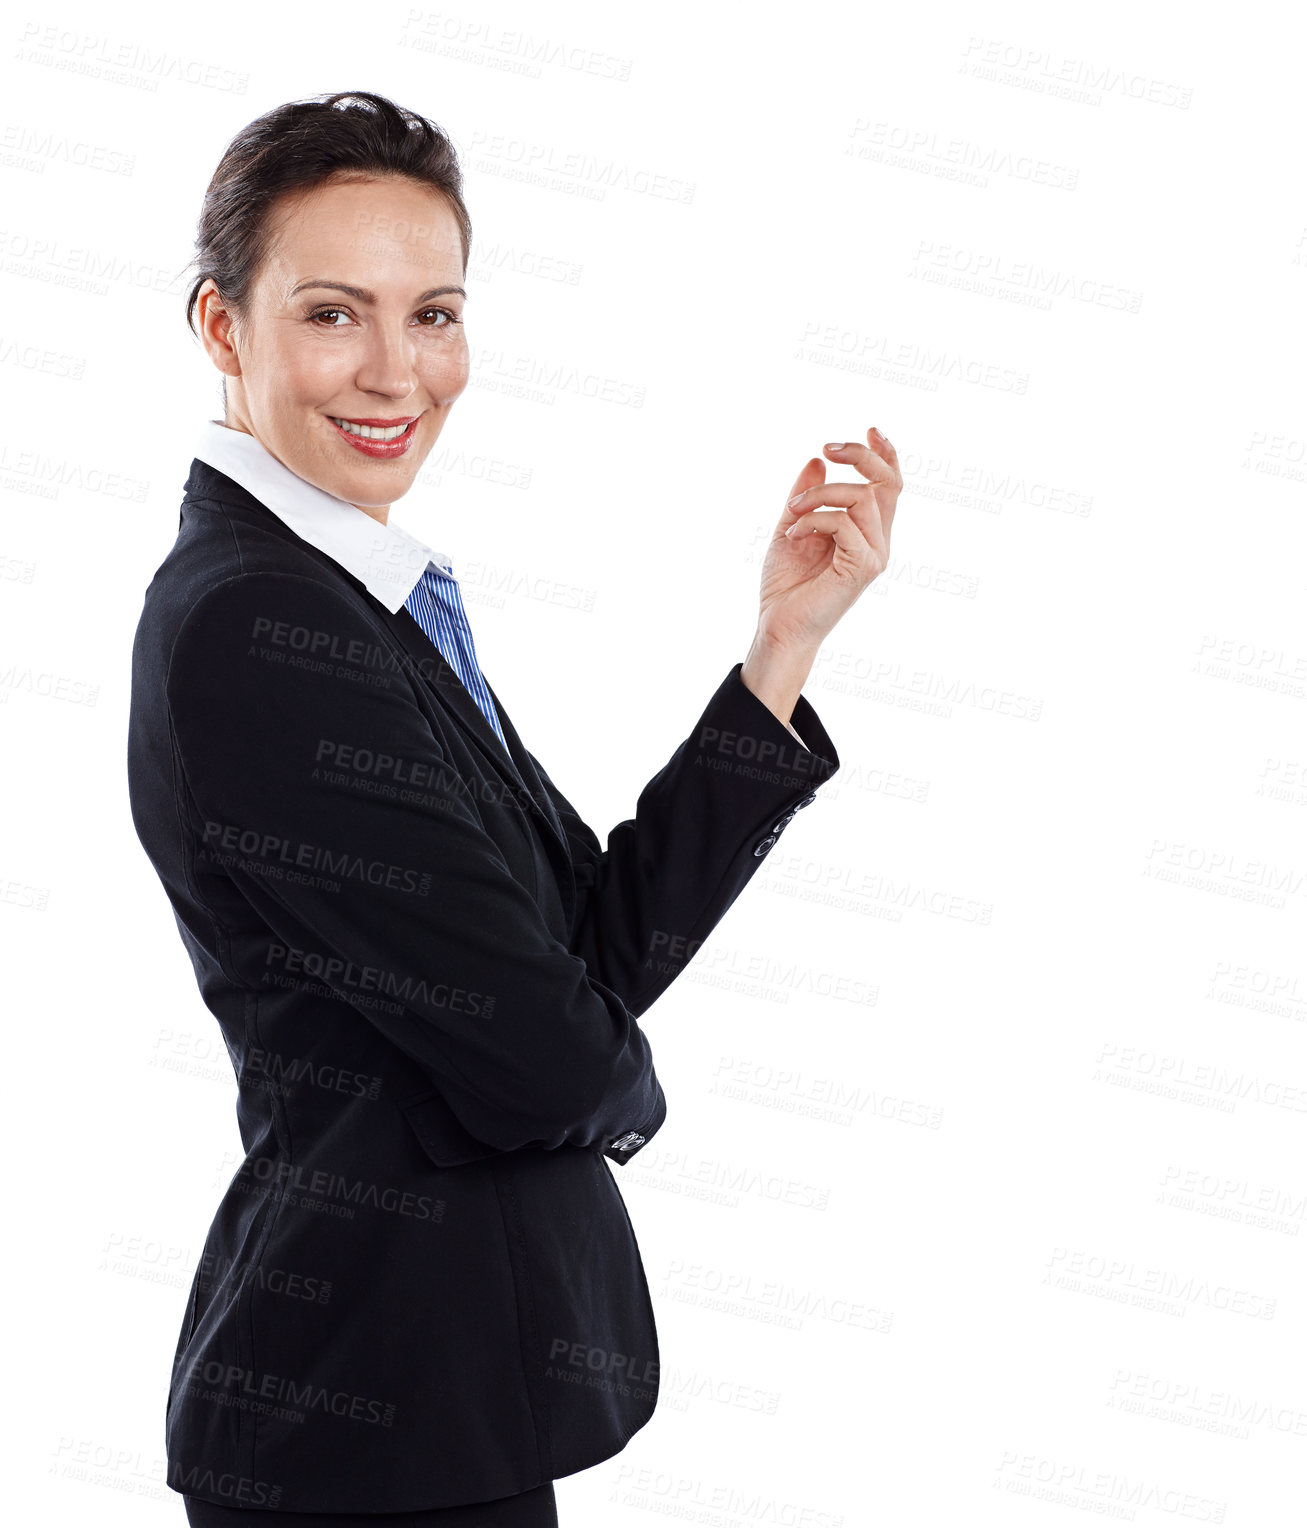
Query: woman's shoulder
{"x": 227, "y": 571}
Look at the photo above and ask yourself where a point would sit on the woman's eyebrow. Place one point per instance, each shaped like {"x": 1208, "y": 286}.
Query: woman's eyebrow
{"x": 364, "y": 295}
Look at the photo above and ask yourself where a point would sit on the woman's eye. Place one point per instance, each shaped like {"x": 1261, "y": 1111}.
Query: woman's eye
{"x": 323, "y": 313}
{"x": 446, "y": 314}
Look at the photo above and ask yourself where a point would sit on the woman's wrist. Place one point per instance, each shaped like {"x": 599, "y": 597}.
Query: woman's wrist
{"x": 776, "y": 675}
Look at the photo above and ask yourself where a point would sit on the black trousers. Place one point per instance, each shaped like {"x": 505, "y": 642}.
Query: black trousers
{"x": 528, "y": 1509}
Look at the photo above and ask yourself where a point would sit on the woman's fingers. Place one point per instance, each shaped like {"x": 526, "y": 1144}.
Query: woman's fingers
{"x": 806, "y": 477}
{"x": 883, "y": 447}
{"x": 878, "y": 463}
{"x": 859, "y": 499}
{"x": 847, "y": 534}
{"x": 844, "y": 494}
{"x": 871, "y": 461}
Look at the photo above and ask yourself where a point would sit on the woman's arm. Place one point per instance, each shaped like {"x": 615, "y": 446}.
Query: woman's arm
{"x": 702, "y": 827}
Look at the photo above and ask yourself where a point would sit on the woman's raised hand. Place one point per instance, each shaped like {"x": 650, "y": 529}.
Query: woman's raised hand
{"x": 820, "y": 560}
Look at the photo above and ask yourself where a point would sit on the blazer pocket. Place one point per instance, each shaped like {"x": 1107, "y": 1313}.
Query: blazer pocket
{"x": 441, "y": 1136}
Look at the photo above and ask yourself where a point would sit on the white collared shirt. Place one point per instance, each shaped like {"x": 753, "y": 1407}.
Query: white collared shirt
{"x": 384, "y": 558}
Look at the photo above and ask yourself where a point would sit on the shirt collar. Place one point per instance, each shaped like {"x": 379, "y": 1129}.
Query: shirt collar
{"x": 384, "y": 558}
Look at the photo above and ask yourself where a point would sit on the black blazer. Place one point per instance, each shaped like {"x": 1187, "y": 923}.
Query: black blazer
{"x": 421, "y": 1287}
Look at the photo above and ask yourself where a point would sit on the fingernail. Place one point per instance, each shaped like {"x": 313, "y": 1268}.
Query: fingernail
{"x": 835, "y": 445}
{"x": 796, "y": 498}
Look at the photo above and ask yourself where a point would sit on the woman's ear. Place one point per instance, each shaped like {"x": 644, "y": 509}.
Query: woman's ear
{"x": 216, "y": 330}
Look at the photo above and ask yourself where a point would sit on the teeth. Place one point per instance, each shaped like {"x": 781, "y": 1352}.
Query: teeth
{"x": 368, "y": 431}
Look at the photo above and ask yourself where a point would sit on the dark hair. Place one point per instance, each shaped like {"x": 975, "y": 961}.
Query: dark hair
{"x": 298, "y": 146}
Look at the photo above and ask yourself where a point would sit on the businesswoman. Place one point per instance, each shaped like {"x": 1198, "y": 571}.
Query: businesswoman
{"x": 420, "y": 1299}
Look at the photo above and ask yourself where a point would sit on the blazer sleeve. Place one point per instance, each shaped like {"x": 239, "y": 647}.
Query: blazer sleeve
{"x": 521, "y": 1040}
{"x": 701, "y": 829}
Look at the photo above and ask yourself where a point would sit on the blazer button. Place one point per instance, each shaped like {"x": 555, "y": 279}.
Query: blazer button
{"x": 779, "y": 825}
{"x": 766, "y": 844}
{"x": 627, "y": 1142}
{"x": 809, "y": 799}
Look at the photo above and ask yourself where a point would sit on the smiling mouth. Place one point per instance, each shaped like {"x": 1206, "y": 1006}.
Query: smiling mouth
{"x": 374, "y": 432}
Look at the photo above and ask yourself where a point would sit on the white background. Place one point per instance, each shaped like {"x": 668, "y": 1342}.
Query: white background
{"x": 981, "y": 1190}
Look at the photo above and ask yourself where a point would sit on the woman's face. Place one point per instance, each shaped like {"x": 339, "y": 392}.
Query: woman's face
{"x": 308, "y": 353}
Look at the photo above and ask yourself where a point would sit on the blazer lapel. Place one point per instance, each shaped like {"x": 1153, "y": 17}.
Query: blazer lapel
{"x": 453, "y": 694}
{"x": 525, "y": 767}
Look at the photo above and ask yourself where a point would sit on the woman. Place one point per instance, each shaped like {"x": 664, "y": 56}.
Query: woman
{"x": 420, "y": 1299}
